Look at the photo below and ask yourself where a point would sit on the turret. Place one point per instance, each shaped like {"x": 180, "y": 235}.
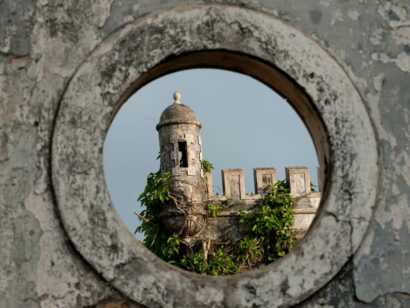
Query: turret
{"x": 180, "y": 140}
{"x": 181, "y": 155}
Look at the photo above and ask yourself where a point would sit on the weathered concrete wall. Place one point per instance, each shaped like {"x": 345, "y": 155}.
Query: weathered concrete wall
{"x": 43, "y": 43}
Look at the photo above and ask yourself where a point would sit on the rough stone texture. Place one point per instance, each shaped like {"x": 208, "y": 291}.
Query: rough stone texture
{"x": 299, "y": 180}
{"x": 263, "y": 177}
{"x": 181, "y": 156}
{"x": 43, "y": 43}
{"x": 209, "y": 184}
{"x": 233, "y": 183}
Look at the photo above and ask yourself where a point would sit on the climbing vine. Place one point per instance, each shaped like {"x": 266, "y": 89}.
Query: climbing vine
{"x": 271, "y": 225}
{"x": 268, "y": 231}
{"x": 153, "y": 198}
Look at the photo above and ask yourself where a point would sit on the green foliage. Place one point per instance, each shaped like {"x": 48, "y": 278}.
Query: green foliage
{"x": 157, "y": 189}
{"x": 217, "y": 264}
{"x": 154, "y": 196}
{"x": 207, "y": 167}
{"x": 221, "y": 264}
{"x": 249, "y": 251}
{"x": 171, "y": 250}
{"x": 195, "y": 262}
{"x": 271, "y": 226}
{"x": 213, "y": 210}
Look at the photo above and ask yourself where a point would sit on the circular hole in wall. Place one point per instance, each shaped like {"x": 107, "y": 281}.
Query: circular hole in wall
{"x": 257, "y": 145}
{"x": 335, "y": 116}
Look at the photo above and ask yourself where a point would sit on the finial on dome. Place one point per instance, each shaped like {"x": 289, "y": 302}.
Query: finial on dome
{"x": 177, "y": 97}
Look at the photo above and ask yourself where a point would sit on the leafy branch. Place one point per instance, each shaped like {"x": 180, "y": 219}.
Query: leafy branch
{"x": 271, "y": 225}
{"x": 207, "y": 166}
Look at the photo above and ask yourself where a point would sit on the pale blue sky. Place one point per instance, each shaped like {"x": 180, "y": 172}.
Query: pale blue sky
{"x": 244, "y": 125}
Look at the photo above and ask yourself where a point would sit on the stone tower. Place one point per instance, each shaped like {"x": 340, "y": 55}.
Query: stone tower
{"x": 181, "y": 155}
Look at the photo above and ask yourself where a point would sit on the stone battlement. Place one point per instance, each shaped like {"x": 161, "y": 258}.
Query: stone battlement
{"x": 233, "y": 182}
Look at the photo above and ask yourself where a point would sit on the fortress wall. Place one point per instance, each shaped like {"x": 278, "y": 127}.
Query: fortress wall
{"x": 306, "y": 202}
{"x": 65, "y": 68}
{"x": 233, "y": 181}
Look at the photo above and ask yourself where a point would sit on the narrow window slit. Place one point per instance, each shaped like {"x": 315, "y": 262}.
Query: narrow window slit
{"x": 183, "y": 154}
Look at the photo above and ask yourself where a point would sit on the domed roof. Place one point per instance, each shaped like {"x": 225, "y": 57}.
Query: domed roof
{"x": 178, "y": 113}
